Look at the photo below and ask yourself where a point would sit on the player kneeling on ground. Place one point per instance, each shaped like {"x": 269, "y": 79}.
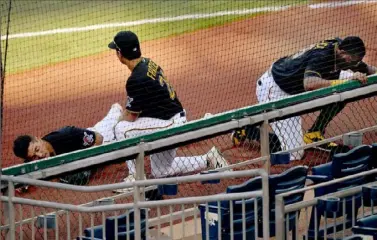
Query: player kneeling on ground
{"x": 152, "y": 105}
{"x": 318, "y": 66}
{"x": 69, "y": 139}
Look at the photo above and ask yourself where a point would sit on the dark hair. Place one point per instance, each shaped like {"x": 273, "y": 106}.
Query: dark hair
{"x": 353, "y": 45}
{"x": 21, "y": 145}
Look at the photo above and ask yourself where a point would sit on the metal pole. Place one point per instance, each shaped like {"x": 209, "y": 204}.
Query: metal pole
{"x": 11, "y": 214}
{"x": 266, "y": 206}
{"x": 137, "y": 196}
{"x": 265, "y": 144}
{"x": 279, "y": 218}
{"x": 140, "y": 171}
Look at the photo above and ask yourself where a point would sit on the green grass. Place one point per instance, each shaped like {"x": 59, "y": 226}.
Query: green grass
{"x": 30, "y": 16}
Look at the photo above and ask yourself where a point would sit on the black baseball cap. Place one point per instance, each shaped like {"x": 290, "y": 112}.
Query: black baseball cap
{"x": 127, "y": 43}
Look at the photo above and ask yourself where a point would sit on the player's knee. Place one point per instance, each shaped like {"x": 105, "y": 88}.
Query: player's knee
{"x": 297, "y": 155}
{"x": 158, "y": 174}
{"x": 119, "y": 132}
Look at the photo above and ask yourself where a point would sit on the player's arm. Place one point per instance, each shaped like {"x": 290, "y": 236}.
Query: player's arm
{"x": 98, "y": 139}
{"x": 130, "y": 116}
{"x": 372, "y": 70}
{"x": 313, "y": 82}
{"x": 85, "y": 138}
{"x": 135, "y": 99}
{"x": 313, "y": 73}
{"x": 313, "y": 76}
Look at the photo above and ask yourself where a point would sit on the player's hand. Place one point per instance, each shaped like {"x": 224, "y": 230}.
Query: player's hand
{"x": 361, "y": 77}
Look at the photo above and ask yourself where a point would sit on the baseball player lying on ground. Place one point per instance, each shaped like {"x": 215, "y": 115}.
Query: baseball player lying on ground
{"x": 69, "y": 139}
{"x": 153, "y": 104}
{"x": 313, "y": 68}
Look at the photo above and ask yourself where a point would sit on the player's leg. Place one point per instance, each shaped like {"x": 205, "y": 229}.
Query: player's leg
{"x": 106, "y": 126}
{"x": 167, "y": 164}
{"x": 142, "y": 126}
{"x": 289, "y": 132}
{"x": 160, "y": 162}
{"x": 316, "y": 132}
{"x": 252, "y": 132}
{"x": 326, "y": 115}
{"x": 264, "y": 90}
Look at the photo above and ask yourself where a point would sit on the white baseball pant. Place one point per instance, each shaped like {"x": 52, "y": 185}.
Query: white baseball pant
{"x": 289, "y": 131}
{"x": 164, "y": 163}
{"x": 106, "y": 126}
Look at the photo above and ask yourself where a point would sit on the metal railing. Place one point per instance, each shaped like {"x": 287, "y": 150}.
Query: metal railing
{"x": 48, "y": 168}
{"x": 138, "y": 203}
{"x": 256, "y": 114}
{"x": 282, "y": 210}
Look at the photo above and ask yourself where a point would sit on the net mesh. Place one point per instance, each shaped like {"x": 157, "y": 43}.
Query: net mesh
{"x": 59, "y": 70}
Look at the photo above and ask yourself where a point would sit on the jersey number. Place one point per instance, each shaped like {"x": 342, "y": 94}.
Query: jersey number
{"x": 163, "y": 81}
{"x": 320, "y": 45}
{"x": 155, "y": 72}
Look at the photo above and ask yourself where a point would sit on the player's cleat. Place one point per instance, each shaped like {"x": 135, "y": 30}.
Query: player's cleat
{"x": 131, "y": 178}
{"x": 238, "y": 137}
{"x": 312, "y": 137}
{"x": 215, "y": 158}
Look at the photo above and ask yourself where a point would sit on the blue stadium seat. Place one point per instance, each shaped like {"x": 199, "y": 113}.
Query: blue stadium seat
{"x": 374, "y": 155}
{"x": 354, "y": 237}
{"x": 224, "y": 208}
{"x": 369, "y": 195}
{"x": 373, "y": 162}
{"x": 366, "y": 226}
{"x": 122, "y": 227}
{"x": 292, "y": 179}
{"x": 87, "y": 238}
{"x": 289, "y": 180}
{"x": 354, "y": 161}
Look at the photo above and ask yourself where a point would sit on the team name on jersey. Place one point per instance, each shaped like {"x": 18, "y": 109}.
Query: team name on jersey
{"x": 153, "y": 71}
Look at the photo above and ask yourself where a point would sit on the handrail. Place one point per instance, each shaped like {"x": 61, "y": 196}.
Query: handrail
{"x": 228, "y": 119}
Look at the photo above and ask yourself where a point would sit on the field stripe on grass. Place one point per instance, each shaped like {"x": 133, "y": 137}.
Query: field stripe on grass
{"x": 340, "y": 4}
{"x": 180, "y": 18}
{"x": 145, "y": 21}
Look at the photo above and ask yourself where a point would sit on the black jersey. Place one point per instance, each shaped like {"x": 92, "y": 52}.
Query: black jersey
{"x": 69, "y": 139}
{"x": 149, "y": 93}
{"x": 318, "y": 60}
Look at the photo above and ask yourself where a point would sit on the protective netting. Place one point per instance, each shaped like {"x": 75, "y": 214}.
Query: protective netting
{"x": 59, "y": 70}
